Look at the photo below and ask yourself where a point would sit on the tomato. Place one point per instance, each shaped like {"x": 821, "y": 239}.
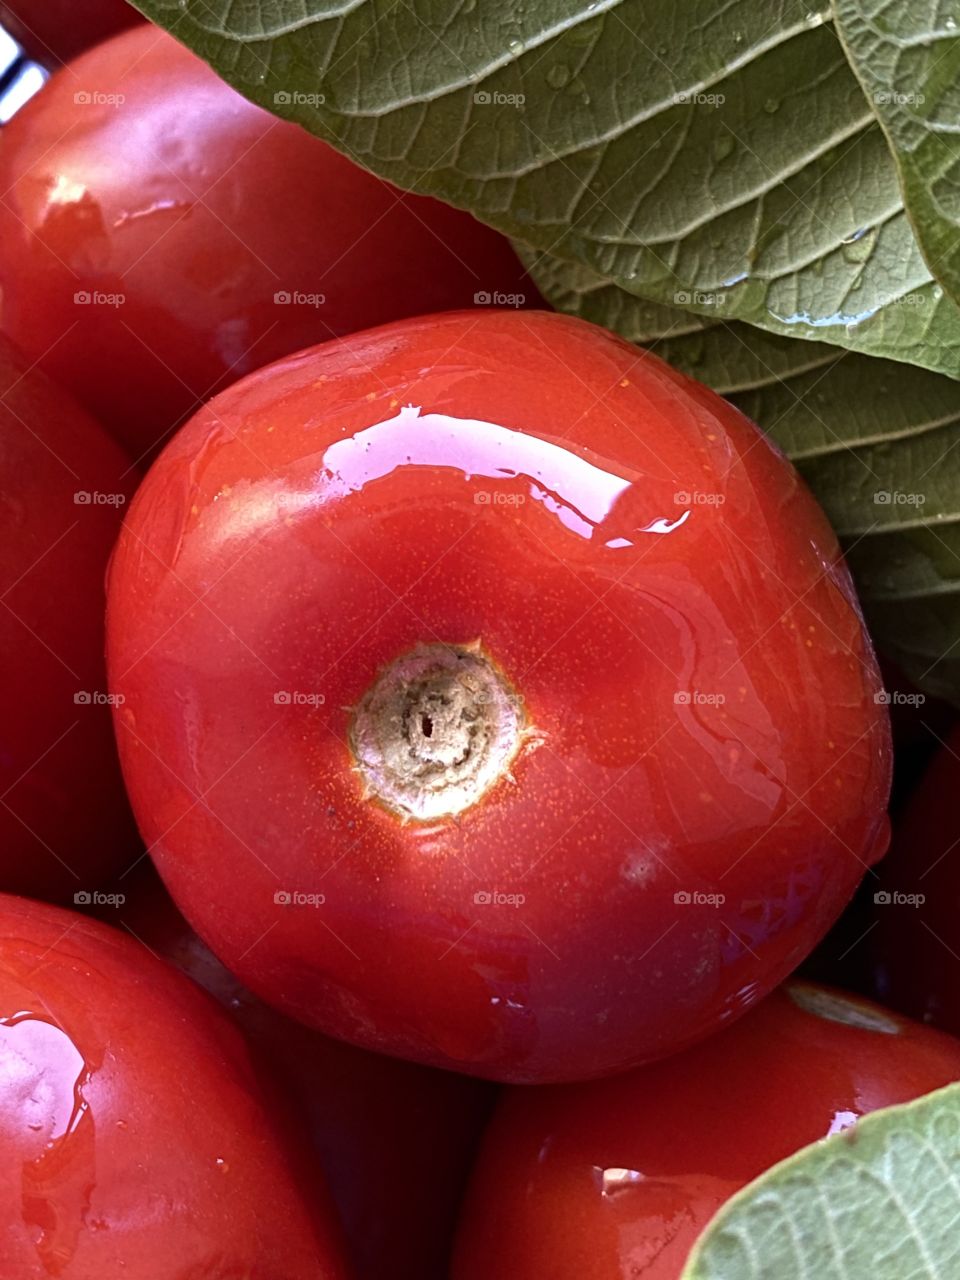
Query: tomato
{"x": 494, "y": 696}
{"x": 64, "y": 819}
{"x": 53, "y": 31}
{"x": 916, "y": 906}
{"x": 395, "y": 1140}
{"x": 615, "y": 1180}
{"x": 160, "y": 236}
{"x": 137, "y": 1140}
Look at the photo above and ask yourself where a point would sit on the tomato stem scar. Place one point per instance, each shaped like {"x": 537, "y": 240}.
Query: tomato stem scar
{"x": 439, "y": 727}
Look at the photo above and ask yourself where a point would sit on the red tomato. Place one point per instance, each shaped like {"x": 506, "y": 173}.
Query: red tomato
{"x": 395, "y": 1140}
{"x": 136, "y": 1139}
{"x": 615, "y": 1180}
{"x": 203, "y": 237}
{"x": 53, "y": 31}
{"x": 917, "y": 902}
{"x": 64, "y": 819}
{"x": 495, "y": 696}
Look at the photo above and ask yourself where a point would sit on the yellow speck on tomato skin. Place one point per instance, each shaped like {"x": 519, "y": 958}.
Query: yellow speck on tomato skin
{"x": 371, "y": 395}
{"x": 625, "y": 382}
{"x": 194, "y": 510}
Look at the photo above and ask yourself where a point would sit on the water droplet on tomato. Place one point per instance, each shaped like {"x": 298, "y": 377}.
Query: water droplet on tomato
{"x": 45, "y": 1075}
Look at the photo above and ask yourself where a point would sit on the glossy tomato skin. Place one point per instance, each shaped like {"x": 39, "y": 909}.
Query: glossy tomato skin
{"x": 917, "y": 939}
{"x": 137, "y": 1140}
{"x": 53, "y": 31}
{"x": 211, "y": 237}
{"x": 395, "y": 1140}
{"x": 614, "y": 1180}
{"x": 706, "y": 777}
{"x": 64, "y": 818}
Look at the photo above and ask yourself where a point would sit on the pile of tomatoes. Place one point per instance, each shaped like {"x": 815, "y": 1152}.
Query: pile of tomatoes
{"x": 435, "y": 732}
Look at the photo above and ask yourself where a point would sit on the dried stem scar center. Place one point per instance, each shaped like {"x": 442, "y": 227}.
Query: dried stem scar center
{"x": 437, "y": 729}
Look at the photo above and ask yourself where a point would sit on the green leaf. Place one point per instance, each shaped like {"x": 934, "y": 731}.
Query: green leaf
{"x": 716, "y": 154}
{"x": 877, "y": 441}
{"x": 907, "y": 56}
{"x": 879, "y": 1201}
